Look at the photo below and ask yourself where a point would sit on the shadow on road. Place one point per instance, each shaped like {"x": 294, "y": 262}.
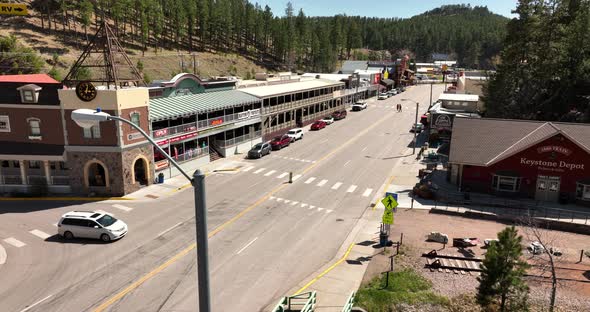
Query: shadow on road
{"x": 80, "y": 241}
{"x": 26, "y": 206}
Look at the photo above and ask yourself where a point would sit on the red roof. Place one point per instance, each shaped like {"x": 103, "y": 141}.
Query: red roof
{"x": 32, "y": 78}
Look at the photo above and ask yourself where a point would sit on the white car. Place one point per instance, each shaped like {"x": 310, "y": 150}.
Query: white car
{"x": 358, "y": 106}
{"x": 382, "y": 96}
{"x": 328, "y": 120}
{"x": 295, "y": 134}
{"x": 89, "y": 224}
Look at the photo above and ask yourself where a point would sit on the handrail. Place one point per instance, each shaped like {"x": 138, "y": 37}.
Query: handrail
{"x": 286, "y": 304}
{"x": 349, "y": 303}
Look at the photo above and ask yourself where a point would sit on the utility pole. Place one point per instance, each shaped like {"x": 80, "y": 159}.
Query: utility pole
{"x": 414, "y": 145}
{"x": 430, "y": 103}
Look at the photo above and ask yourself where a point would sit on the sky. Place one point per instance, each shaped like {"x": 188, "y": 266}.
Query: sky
{"x": 385, "y": 8}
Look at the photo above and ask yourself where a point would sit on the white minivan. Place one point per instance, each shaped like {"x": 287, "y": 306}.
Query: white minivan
{"x": 295, "y": 134}
{"x": 89, "y": 224}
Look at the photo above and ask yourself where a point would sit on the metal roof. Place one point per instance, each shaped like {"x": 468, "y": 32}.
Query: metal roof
{"x": 184, "y": 105}
{"x": 291, "y": 87}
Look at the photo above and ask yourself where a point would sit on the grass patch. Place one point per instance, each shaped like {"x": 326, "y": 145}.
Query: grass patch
{"x": 405, "y": 286}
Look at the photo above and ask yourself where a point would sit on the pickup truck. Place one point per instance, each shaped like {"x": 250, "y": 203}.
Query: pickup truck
{"x": 359, "y": 105}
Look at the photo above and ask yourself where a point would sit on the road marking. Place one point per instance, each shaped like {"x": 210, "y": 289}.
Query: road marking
{"x": 259, "y": 170}
{"x": 329, "y": 210}
{"x": 14, "y": 242}
{"x": 322, "y": 182}
{"x": 34, "y": 304}
{"x": 121, "y": 207}
{"x": 169, "y": 229}
{"x": 311, "y": 206}
{"x": 326, "y": 271}
{"x": 296, "y": 177}
{"x": 320, "y": 209}
{"x": 284, "y": 174}
{"x": 309, "y": 180}
{"x": 346, "y": 163}
{"x": 364, "y": 149}
{"x": 303, "y": 205}
{"x": 272, "y": 198}
{"x": 40, "y": 234}
{"x": 367, "y": 192}
{"x": 287, "y": 201}
{"x": 294, "y": 203}
{"x": 313, "y": 162}
{"x": 336, "y": 186}
{"x": 248, "y": 245}
{"x": 351, "y": 189}
{"x": 269, "y": 173}
{"x": 248, "y": 169}
{"x": 279, "y": 199}
{"x": 55, "y": 224}
{"x": 2, "y": 255}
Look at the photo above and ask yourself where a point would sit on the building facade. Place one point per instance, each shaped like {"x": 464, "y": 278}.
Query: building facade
{"x": 545, "y": 161}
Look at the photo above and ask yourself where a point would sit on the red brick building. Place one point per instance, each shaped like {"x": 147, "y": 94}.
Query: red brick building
{"x": 530, "y": 159}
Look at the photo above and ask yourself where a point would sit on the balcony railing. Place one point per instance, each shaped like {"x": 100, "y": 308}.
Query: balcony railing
{"x": 298, "y": 104}
{"x": 34, "y": 180}
{"x": 205, "y": 124}
{"x": 186, "y": 156}
{"x": 11, "y": 180}
{"x": 60, "y": 180}
{"x": 238, "y": 140}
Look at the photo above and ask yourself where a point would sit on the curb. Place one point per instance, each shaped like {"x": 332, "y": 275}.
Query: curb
{"x": 64, "y": 198}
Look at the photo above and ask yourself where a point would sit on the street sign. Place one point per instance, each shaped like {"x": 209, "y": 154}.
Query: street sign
{"x": 389, "y": 202}
{"x": 13, "y": 9}
{"x": 445, "y": 67}
{"x": 387, "y": 217}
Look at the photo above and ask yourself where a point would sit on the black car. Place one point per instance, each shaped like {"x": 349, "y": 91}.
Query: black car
{"x": 339, "y": 115}
{"x": 259, "y": 150}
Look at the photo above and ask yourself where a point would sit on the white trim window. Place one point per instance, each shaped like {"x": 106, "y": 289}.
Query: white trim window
{"x": 135, "y": 118}
{"x": 34, "y": 128}
{"x": 583, "y": 191}
{"x": 4, "y": 123}
{"x": 92, "y": 133}
{"x": 506, "y": 183}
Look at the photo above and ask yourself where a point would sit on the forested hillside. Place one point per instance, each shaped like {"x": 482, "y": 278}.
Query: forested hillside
{"x": 286, "y": 40}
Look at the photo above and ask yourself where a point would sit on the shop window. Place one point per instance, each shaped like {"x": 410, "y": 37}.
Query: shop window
{"x": 5, "y": 164}
{"x": 15, "y": 164}
{"x": 135, "y": 119}
{"x": 34, "y": 128}
{"x": 92, "y": 132}
{"x": 506, "y": 184}
{"x": 583, "y": 191}
{"x": 34, "y": 164}
{"x": 4, "y": 124}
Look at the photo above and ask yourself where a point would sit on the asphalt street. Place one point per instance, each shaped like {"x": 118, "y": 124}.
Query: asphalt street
{"x": 266, "y": 235}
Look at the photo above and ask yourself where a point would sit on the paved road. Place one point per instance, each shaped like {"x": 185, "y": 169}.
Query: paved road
{"x": 265, "y": 235}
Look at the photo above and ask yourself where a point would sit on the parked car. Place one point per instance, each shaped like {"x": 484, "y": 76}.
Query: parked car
{"x": 536, "y": 248}
{"x": 339, "y": 115}
{"x": 382, "y": 96}
{"x": 89, "y": 224}
{"x": 259, "y": 150}
{"x": 438, "y": 237}
{"x": 392, "y": 92}
{"x": 328, "y": 120}
{"x": 295, "y": 134}
{"x": 417, "y": 127}
{"x": 317, "y": 125}
{"x": 359, "y": 105}
{"x": 280, "y": 141}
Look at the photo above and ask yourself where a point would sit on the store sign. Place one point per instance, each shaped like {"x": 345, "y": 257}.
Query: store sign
{"x": 134, "y": 136}
{"x": 553, "y": 148}
{"x": 443, "y": 121}
{"x": 217, "y": 122}
{"x": 249, "y": 114}
{"x": 558, "y": 166}
{"x": 178, "y": 138}
{"x": 161, "y": 133}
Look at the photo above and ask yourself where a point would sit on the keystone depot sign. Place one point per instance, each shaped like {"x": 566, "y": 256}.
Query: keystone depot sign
{"x": 557, "y": 166}
{"x": 553, "y": 148}
{"x": 13, "y": 9}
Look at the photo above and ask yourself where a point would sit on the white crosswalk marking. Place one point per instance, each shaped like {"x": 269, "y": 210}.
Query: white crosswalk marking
{"x": 311, "y": 207}
{"x": 351, "y": 189}
{"x": 279, "y": 199}
{"x": 269, "y": 173}
{"x": 322, "y": 182}
{"x": 282, "y": 175}
{"x": 336, "y": 186}
{"x": 329, "y": 210}
{"x": 309, "y": 180}
{"x": 248, "y": 169}
{"x": 121, "y": 207}
{"x": 296, "y": 177}
{"x": 287, "y": 201}
{"x": 367, "y": 192}
{"x": 40, "y": 234}
{"x": 303, "y": 205}
{"x": 320, "y": 209}
{"x": 259, "y": 170}
{"x": 272, "y": 197}
{"x": 294, "y": 203}
{"x": 14, "y": 242}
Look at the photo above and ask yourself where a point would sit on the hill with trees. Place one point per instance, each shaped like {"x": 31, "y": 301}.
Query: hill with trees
{"x": 289, "y": 40}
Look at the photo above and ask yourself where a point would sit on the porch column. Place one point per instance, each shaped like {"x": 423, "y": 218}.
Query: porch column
{"x": 47, "y": 171}
{"x": 1, "y": 180}
{"x": 23, "y": 172}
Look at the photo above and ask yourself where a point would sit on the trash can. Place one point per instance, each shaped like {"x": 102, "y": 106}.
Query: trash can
{"x": 161, "y": 178}
{"x": 383, "y": 238}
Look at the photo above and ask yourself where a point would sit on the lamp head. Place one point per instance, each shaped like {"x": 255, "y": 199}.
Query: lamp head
{"x": 88, "y": 118}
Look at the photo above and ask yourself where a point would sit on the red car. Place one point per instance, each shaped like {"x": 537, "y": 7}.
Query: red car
{"x": 339, "y": 115}
{"x": 280, "y": 141}
{"x": 318, "y": 125}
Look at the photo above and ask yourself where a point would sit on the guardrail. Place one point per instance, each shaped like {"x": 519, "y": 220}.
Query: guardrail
{"x": 349, "y": 303}
{"x": 238, "y": 140}
{"x": 304, "y": 302}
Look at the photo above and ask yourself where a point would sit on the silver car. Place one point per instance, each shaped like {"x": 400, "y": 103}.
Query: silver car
{"x": 89, "y": 224}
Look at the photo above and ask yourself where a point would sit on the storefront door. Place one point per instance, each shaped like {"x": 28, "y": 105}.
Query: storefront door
{"x": 547, "y": 188}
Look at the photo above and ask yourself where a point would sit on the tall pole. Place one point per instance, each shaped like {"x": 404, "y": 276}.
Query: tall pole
{"x": 430, "y": 103}
{"x": 202, "y": 241}
{"x": 415, "y": 130}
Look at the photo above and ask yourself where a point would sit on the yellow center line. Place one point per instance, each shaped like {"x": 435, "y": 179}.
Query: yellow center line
{"x": 176, "y": 257}
{"x": 326, "y": 271}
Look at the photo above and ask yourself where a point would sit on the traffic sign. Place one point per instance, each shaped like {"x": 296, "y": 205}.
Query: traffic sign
{"x": 389, "y": 202}
{"x": 13, "y": 9}
{"x": 445, "y": 67}
{"x": 387, "y": 217}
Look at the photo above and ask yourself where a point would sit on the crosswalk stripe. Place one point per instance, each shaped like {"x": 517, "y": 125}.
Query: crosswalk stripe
{"x": 367, "y": 192}
{"x": 279, "y": 199}
{"x": 329, "y": 210}
{"x": 294, "y": 203}
{"x": 284, "y": 174}
{"x": 309, "y": 180}
{"x": 269, "y": 173}
{"x": 272, "y": 197}
{"x": 351, "y": 189}
{"x": 303, "y": 205}
{"x": 336, "y": 186}
{"x": 121, "y": 207}
{"x": 40, "y": 234}
{"x": 320, "y": 209}
{"x": 259, "y": 170}
{"x": 287, "y": 201}
{"x": 296, "y": 177}
{"x": 248, "y": 169}
{"x": 322, "y": 182}
{"x": 14, "y": 242}
{"x": 311, "y": 207}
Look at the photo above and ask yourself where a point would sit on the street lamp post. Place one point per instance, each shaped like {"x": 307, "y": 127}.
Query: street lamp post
{"x": 87, "y": 118}
{"x": 415, "y": 123}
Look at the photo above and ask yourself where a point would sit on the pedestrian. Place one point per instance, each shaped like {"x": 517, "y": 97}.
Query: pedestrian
{"x": 400, "y": 108}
